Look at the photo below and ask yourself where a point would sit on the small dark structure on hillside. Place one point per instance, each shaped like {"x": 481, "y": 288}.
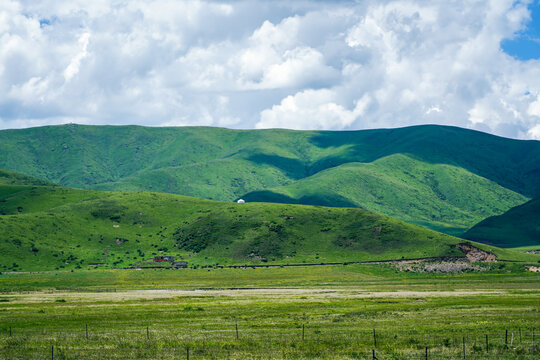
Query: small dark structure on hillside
{"x": 164, "y": 259}
{"x": 180, "y": 265}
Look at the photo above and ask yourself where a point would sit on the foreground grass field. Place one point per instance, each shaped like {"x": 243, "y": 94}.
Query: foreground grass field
{"x": 328, "y": 312}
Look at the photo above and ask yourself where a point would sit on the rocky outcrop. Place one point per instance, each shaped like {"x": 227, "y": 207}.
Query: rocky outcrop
{"x": 474, "y": 254}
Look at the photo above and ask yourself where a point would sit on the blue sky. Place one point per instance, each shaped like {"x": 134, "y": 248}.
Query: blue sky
{"x": 525, "y": 44}
{"x": 336, "y": 65}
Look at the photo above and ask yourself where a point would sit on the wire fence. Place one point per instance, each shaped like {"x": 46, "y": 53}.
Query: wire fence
{"x": 240, "y": 342}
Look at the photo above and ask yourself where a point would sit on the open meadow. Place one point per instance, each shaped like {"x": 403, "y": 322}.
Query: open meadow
{"x": 327, "y": 312}
{"x": 269, "y": 180}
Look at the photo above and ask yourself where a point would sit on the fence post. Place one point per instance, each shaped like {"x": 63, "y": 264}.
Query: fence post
{"x": 426, "y": 353}
{"x": 303, "y": 332}
{"x": 373, "y": 354}
{"x": 187, "y": 352}
{"x": 52, "y": 352}
{"x": 464, "y": 347}
{"x": 506, "y": 338}
{"x": 147, "y": 334}
{"x": 374, "y": 339}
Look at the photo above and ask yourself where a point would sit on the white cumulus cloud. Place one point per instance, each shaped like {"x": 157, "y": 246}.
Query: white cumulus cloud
{"x": 75, "y": 63}
{"x": 246, "y": 64}
{"x": 312, "y": 109}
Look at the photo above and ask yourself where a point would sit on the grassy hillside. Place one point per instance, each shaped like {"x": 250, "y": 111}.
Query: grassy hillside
{"x": 136, "y": 157}
{"x": 11, "y": 178}
{"x": 436, "y": 195}
{"x": 518, "y": 227}
{"x": 223, "y": 164}
{"x": 55, "y": 228}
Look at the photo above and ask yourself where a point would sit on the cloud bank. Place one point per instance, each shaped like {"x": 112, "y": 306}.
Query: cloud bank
{"x": 248, "y": 64}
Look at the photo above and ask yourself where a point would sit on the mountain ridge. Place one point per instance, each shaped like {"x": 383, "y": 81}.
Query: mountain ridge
{"x": 225, "y": 164}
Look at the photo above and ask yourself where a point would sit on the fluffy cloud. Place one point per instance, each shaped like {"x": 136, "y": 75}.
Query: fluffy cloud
{"x": 312, "y": 109}
{"x": 247, "y": 64}
{"x": 534, "y": 132}
{"x": 534, "y": 108}
{"x": 75, "y": 63}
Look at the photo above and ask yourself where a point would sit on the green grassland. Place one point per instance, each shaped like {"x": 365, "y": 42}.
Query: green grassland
{"x": 433, "y": 169}
{"x": 65, "y": 295}
{"x": 46, "y": 228}
{"x": 369, "y": 277}
{"x": 519, "y": 225}
{"x": 327, "y": 312}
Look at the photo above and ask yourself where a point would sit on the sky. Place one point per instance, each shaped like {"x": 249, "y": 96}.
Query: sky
{"x": 333, "y": 65}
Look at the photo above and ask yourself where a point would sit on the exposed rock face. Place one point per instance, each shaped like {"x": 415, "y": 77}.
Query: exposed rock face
{"x": 449, "y": 267}
{"x": 475, "y": 254}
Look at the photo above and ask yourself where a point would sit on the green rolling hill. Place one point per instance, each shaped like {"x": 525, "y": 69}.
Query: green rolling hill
{"x": 11, "y": 178}
{"x": 119, "y": 229}
{"x": 518, "y": 227}
{"x": 445, "y": 178}
{"x": 440, "y": 196}
{"x": 54, "y": 227}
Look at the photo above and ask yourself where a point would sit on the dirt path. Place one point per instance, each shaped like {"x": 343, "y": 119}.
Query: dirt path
{"x": 239, "y": 294}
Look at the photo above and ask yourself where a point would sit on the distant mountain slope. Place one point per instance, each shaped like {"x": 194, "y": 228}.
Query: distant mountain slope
{"x": 435, "y": 195}
{"x": 89, "y": 156}
{"x": 513, "y": 164}
{"x": 222, "y": 179}
{"x": 223, "y": 164}
{"x": 519, "y": 226}
{"x": 22, "y": 199}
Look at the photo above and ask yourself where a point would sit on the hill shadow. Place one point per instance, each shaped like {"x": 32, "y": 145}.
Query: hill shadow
{"x": 293, "y": 168}
{"x": 316, "y": 200}
{"x": 512, "y": 164}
